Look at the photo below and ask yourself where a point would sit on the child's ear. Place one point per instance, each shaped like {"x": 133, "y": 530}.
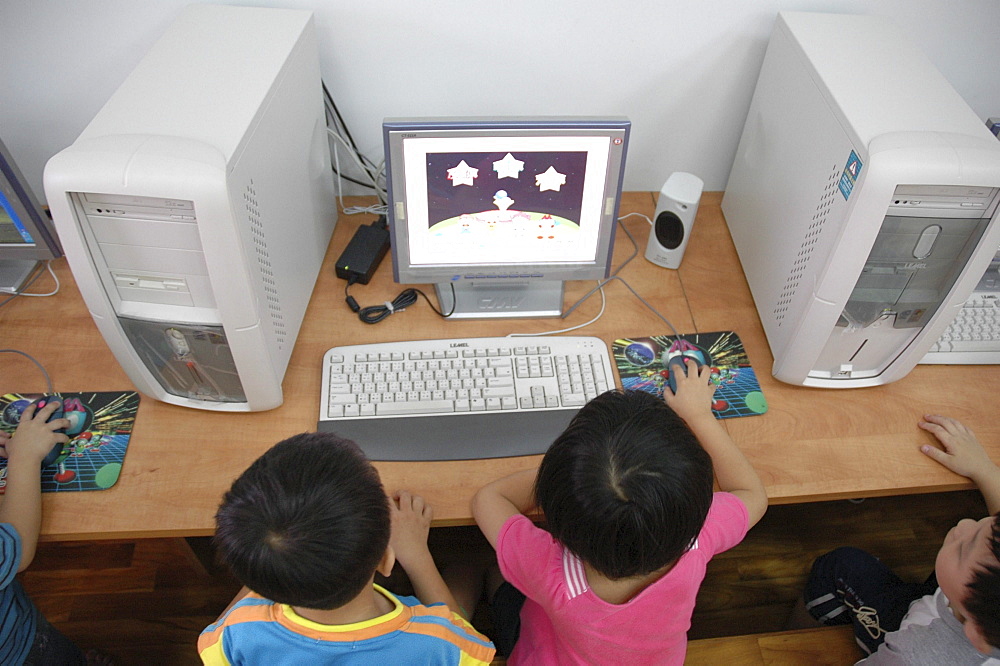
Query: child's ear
{"x": 387, "y": 562}
{"x": 975, "y": 636}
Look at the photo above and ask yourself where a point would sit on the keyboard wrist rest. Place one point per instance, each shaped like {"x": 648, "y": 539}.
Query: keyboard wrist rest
{"x": 472, "y": 436}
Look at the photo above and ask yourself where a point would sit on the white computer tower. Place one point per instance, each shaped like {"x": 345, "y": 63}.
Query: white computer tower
{"x": 197, "y": 206}
{"x": 862, "y": 201}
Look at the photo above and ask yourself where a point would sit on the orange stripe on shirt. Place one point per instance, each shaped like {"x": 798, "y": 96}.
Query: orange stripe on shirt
{"x": 406, "y": 623}
{"x": 238, "y": 615}
{"x": 394, "y": 620}
{"x": 475, "y": 650}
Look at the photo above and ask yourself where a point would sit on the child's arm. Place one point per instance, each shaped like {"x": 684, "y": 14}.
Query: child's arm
{"x": 497, "y": 501}
{"x": 25, "y": 450}
{"x": 963, "y": 454}
{"x": 693, "y": 403}
{"x": 411, "y": 523}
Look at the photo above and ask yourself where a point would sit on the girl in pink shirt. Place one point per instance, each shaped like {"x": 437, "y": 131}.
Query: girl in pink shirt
{"x": 631, "y": 522}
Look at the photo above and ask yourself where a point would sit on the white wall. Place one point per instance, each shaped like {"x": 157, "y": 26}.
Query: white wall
{"x": 683, "y": 72}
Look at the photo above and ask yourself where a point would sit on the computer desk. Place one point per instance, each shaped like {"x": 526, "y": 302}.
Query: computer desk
{"x": 812, "y": 444}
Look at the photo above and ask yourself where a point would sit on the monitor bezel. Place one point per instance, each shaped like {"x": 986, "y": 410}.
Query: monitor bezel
{"x": 36, "y": 221}
{"x": 395, "y": 130}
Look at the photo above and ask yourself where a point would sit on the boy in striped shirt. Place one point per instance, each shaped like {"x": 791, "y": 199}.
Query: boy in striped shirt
{"x": 305, "y": 529}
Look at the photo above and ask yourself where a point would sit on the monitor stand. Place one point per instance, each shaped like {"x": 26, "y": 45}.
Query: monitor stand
{"x": 485, "y": 299}
{"x": 14, "y": 273}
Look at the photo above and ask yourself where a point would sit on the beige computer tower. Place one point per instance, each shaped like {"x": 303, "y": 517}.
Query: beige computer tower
{"x": 197, "y": 206}
{"x": 862, "y": 201}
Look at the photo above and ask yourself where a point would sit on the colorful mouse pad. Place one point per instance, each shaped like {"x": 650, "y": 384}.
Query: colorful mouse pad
{"x": 642, "y": 365}
{"x": 100, "y": 427}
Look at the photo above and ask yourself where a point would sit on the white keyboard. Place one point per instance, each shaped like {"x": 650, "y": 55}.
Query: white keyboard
{"x": 462, "y": 398}
{"x": 974, "y": 336}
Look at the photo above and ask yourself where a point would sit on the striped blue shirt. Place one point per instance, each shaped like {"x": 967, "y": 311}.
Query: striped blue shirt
{"x": 17, "y": 613}
{"x": 258, "y": 631}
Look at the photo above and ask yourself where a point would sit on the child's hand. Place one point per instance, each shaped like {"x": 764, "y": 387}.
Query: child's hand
{"x": 694, "y": 392}
{"x": 963, "y": 454}
{"x": 4, "y": 438}
{"x": 35, "y": 435}
{"x": 411, "y": 523}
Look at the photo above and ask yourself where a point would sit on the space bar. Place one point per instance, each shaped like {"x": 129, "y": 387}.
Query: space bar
{"x": 975, "y": 345}
{"x": 420, "y": 407}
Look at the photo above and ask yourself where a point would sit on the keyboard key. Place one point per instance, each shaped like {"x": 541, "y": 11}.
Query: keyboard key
{"x": 973, "y": 345}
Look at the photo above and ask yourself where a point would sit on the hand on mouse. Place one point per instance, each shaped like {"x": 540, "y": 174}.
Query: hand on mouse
{"x": 35, "y": 435}
{"x": 694, "y": 392}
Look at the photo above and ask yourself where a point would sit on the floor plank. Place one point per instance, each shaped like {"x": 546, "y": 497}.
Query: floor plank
{"x": 826, "y": 646}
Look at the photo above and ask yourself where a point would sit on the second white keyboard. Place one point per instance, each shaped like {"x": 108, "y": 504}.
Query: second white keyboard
{"x": 460, "y": 398}
{"x": 974, "y": 336}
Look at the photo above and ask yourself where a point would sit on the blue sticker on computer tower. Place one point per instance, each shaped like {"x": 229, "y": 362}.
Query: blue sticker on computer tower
{"x": 850, "y": 176}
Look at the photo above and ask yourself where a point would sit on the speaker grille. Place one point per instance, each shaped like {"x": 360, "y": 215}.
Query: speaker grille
{"x": 264, "y": 263}
{"x": 812, "y": 234}
{"x": 669, "y": 230}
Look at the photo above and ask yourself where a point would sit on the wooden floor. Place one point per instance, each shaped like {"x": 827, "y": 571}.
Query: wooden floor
{"x": 144, "y": 602}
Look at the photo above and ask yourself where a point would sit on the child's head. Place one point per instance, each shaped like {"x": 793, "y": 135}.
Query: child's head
{"x": 627, "y": 486}
{"x": 968, "y": 571}
{"x": 307, "y": 524}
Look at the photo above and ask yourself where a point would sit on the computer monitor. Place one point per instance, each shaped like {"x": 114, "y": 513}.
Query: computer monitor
{"x": 498, "y": 212}
{"x": 27, "y": 236}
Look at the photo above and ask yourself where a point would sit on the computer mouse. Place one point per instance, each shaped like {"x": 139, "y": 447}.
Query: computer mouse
{"x": 678, "y": 364}
{"x": 50, "y": 459}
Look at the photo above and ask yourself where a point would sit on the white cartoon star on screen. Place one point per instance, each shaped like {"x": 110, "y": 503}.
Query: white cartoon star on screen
{"x": 508, "y": 167}
{"x": 550, "y": 180}
{"x": 462, "y": 174}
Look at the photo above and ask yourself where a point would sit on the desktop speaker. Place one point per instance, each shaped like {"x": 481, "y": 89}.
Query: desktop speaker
{"x": 676, "y": 208}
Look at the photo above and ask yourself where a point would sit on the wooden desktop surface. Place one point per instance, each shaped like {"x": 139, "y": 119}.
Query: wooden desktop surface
{"x": 812, "y": 444}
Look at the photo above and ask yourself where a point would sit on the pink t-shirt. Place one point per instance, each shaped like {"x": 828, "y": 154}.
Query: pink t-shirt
{"x": 564, "y": 622}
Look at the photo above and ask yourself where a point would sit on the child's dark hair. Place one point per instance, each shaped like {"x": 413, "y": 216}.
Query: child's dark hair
{"x": 983, "y": 599}
{"x": 307, "y": 523}
{"x": 626, "y": 487}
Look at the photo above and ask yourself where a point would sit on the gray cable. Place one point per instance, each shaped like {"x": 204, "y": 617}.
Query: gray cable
{"x": 614, "y": 276}
{"x": 48, "y": 381}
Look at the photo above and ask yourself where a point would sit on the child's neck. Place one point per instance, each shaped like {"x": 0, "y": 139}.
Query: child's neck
{"x": 366, "y": 606}
{"x": 621, "y": 590}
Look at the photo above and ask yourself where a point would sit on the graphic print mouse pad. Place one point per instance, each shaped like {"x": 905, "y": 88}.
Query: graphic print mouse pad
{"x": 100, "y": 428}
{"x": 642, "y": 365}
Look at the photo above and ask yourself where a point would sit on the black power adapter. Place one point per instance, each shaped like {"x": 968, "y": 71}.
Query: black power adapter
{"x": 357, "y": 263}
{"x": 364, "y": 252}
